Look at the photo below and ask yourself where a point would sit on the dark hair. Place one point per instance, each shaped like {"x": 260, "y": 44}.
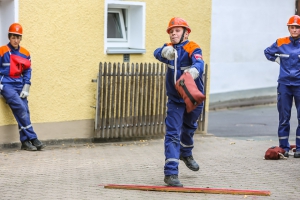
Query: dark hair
{"x": 12, "y": 34}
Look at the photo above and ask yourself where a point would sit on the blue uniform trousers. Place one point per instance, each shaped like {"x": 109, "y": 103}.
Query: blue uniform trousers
{"x": 286, "y": 94}
{"x": 180, "y": 128}
{"x": 19, "y": 107}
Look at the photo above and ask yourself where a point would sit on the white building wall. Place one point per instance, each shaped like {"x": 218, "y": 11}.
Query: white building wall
{"x": 8, "y": 15}
{"x": 241, "y": 30}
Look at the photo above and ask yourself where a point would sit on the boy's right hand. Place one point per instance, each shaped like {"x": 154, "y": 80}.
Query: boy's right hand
{"x": 168, "y": 52}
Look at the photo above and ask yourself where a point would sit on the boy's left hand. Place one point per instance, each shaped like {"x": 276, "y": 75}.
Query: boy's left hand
{"x": 193, "y": 71}
{"x": 25, "y": 91}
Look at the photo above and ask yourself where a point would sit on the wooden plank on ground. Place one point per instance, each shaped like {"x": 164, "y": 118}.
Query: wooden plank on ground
{"x": 189, "y": 189}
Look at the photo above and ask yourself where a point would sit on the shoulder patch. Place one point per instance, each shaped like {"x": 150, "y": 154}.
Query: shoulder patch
{"x": 282, "y": 41}
{"x": 3, "y": 50}
{"x": 190, "y": 47}
{"x": 24, "y": 51}
{"x": 198, "y": 56}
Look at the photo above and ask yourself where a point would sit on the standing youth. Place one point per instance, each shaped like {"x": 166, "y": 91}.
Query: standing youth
{"x": 286, "y": 52}
{"x": 180, "y": 125}
{"x": 15, "y": 76}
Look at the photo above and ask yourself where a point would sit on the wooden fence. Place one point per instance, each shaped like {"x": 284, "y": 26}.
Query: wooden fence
{"x": 131, "y": 101}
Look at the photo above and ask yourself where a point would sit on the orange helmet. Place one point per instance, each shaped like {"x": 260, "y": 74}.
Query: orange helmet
{"x": 294, "y": 20}
{"x": 15, "y": 28}
{"x": 178, "y": 22}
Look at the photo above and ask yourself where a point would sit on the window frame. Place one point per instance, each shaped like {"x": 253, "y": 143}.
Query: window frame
{"x": 134, "y": 16}
{"x": 122, "y": 24}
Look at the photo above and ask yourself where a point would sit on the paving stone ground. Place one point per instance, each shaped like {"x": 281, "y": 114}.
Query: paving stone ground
{"x": 80, "y": 171}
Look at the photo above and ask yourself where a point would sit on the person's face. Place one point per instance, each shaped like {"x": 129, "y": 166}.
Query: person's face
{"x": 15, "y": 40}
{"x": 294, "y": 31}
{"x": 176, "y": 33}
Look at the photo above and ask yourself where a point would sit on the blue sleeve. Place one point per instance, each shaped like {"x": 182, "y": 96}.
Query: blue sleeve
{"x": 198, "y": 62}
{"x": 157, "y": 55}
{"x": 27, "y": 74}
{"x": 271, "y": 51}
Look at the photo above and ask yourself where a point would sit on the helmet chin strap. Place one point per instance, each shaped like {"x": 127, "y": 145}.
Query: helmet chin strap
{"x": 182, "y": 36}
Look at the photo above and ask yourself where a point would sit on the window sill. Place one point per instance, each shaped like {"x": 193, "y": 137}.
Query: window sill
{"x": 116, "y": 50}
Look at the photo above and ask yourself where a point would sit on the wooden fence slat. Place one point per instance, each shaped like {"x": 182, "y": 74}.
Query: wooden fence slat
{"x": 118, "y": 101}
{"x": 104, "y": 101}
{"x": 149, "y": 98}
{"x": 161, "y": 118}
{"x": 100, "y": 91}
{"x": 136, "y": 101}
{"x": 140, "y": 118}
{"x": 113, "y": 102}
{"x": 157, "y": 102}
{"x": 144, "y": 98}
{"x": 130, "y": 70}
{"x": 127, "y": 99}
{"x": 109, "y": 104}
{"x": 122, "y": 126}
{"x": 153, "y": 94}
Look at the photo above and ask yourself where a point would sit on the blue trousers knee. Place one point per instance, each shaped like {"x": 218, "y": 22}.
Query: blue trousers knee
{"x": 20, "y": 110}
{"x": 180, "y": 128}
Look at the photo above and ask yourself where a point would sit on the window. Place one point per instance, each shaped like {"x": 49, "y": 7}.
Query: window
{"x": 115, "y": 26}
{"x": 8, "y": 15}
{"x": 124, "y": 27}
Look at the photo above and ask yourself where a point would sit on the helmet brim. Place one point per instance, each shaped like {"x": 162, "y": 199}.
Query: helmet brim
{"x": 187, "y": 28}
{"x": 293, "y": 24}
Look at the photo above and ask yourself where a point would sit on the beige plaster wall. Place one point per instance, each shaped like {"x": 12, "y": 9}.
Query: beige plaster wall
{"x": 65, "y": 39}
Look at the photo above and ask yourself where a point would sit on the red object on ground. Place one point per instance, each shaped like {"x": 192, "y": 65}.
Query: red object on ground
{"x": 274, "y": 153}
{"x": 189, "y": 189}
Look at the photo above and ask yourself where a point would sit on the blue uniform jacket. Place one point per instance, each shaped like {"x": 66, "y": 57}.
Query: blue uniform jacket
{"x": 5, "y": 65}
{"x": 289, "y": 66}
{"x": 189, "y": 55}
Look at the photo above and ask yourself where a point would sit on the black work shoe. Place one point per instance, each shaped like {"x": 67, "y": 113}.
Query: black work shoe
{"x": 286, "y": 154}
{"x": 28, "y": 146}
{"x": 190, "y": 163}
{"x": 38, "y": 144}
{"x": 172, "y": 180}
{"x": 297, "y": 154}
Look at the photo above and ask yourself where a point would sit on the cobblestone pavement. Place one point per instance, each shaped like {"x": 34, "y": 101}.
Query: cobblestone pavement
{"x": 79, "y": 171}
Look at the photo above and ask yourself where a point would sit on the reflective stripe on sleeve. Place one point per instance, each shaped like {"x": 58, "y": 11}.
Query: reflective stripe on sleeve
{"x": 181, "y": 68}
{"x": 282, "y": 55}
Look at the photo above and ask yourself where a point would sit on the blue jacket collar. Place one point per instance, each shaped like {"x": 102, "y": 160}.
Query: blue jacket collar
{"x": 12, "y": 48}
{"x": 181, "y": 44}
